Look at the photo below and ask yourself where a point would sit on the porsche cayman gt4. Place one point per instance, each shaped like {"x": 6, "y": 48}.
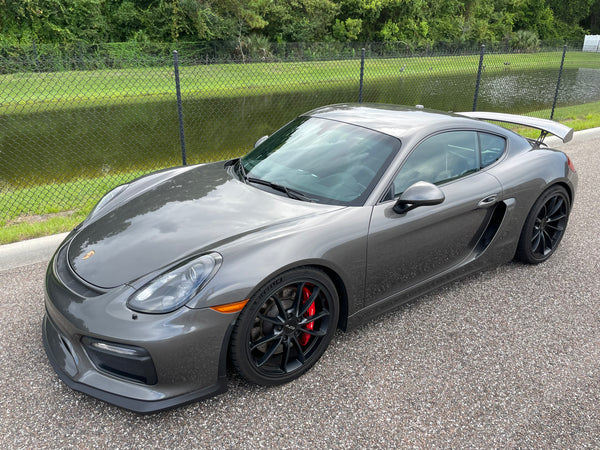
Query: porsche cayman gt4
{"x": 344, "y": 213}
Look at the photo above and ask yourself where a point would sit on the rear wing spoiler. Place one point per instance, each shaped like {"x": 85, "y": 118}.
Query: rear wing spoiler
{"x": 546, "y": 126}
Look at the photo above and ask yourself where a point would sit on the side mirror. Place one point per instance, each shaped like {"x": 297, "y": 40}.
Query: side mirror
{"x": 261, "y": 140}
{"x": 421, "y": 193}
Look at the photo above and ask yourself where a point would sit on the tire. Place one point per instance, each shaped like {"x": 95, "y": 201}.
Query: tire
{"x": 545, "y": 226}
{"x": 285, "y": 328}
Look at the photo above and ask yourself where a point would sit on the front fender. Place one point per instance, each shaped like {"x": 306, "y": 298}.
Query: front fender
{"x": 335, "y": 241}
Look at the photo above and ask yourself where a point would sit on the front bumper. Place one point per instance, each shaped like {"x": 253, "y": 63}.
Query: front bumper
{"x": 185, "y": 350}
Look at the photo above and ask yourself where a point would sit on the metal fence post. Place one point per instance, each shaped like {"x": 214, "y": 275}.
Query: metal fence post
{"x": 562, "y": 62}
{"x": 179, "y": 109}
{"x": 362, "y": 74}
{"x": 481, "y": 53}
{"x": 35, "y": 56}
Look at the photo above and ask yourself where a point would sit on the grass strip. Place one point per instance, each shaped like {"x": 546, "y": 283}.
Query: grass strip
{"x": 40, "y": 217}
{"x": 44, "y": 226}
{"x": 578, "y": 117}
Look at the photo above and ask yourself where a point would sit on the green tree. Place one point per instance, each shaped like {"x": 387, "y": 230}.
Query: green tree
{"x": 416, "y": 22}
{"x": 571, "y": 12}
{"x": 534, "y": 15}
{"x": 55, "y": 21}
{"x": 244, "y": 16}
{"x": 592, "y": 22}
{"x": 302, "y": 20}
{"x": 525, "y": 40}
{"x": 123, "y": 19}
{"x": 347, "y": 30}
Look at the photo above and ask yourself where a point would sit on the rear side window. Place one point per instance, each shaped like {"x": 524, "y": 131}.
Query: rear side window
{"x": 491, "y": 148}
{"x": 448, "y": 156}
{"x": 439, "y": 159}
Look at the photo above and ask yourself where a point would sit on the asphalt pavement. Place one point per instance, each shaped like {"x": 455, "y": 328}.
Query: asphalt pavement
{"x": 506, "y": 358}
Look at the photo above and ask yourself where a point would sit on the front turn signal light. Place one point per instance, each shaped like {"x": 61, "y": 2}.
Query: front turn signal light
{"x": 230, "y": 307}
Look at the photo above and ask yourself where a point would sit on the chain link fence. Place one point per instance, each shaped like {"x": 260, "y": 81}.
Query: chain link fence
{"x": 72, "y": 128}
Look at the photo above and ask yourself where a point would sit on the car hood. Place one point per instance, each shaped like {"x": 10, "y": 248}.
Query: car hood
{"x": 188, "y": 213}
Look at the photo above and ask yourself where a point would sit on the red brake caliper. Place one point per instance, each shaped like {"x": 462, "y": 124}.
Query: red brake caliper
{"x": 305, "y": 337}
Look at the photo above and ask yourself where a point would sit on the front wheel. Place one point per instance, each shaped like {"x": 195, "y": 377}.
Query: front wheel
{"x": 545, "y": 226}
{"x": 286, "y": 327}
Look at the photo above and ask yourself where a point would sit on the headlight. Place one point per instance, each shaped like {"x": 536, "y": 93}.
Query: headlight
{"x": 175, "y": 288}
{"x": 105, "y": 200}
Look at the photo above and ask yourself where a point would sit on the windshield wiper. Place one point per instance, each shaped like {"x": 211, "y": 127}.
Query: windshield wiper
{"x": 291, "y": 193}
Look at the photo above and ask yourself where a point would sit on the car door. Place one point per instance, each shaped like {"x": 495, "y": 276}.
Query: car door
{"x": 406, "y": 249}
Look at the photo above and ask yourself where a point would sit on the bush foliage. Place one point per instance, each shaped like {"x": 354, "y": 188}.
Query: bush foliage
{"x": 254, "y": 26}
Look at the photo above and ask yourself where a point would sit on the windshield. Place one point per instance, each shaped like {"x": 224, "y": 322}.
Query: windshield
{"x": 328, "y": 161}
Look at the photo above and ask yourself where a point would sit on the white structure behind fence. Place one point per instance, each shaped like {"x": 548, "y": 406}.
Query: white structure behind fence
{"x": 591, "y": 43}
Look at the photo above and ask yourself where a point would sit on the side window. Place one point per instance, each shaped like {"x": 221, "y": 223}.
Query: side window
{"x": 438, "y": 159}
{"x": 491, "y": 147}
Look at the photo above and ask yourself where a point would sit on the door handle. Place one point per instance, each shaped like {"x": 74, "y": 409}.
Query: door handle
{"x": 487, "y": 201}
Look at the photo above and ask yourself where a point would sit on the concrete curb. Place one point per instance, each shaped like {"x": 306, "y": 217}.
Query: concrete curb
{"x": 29, "y": 252}
{"x": 41, "y": 249}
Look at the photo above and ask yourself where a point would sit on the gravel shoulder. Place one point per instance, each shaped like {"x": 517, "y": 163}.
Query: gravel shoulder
{"x": 505, "y": 358}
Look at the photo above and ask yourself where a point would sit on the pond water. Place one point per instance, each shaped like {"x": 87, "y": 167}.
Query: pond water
{"x": 56, "y": 146}
{"x": 511, "y": 91}
{"x": 531, "y": 90}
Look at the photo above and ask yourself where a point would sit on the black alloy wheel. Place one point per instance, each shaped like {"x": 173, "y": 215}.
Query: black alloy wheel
{"x": 286, "y": 327}
{"x": 545, "y": 226}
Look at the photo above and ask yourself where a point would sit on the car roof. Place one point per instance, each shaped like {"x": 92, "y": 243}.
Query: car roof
{"x": 402, "y": 122}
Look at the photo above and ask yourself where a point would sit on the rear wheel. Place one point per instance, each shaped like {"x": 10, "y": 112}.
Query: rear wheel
{"x": 286, "y": 327}
{"x": 545, "y": 226}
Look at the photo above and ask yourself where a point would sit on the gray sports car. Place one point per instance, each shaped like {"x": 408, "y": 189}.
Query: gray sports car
{"x": 345, "y": 212}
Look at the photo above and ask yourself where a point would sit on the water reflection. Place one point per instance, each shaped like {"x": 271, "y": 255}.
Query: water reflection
{"x": 525, "y": 91}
